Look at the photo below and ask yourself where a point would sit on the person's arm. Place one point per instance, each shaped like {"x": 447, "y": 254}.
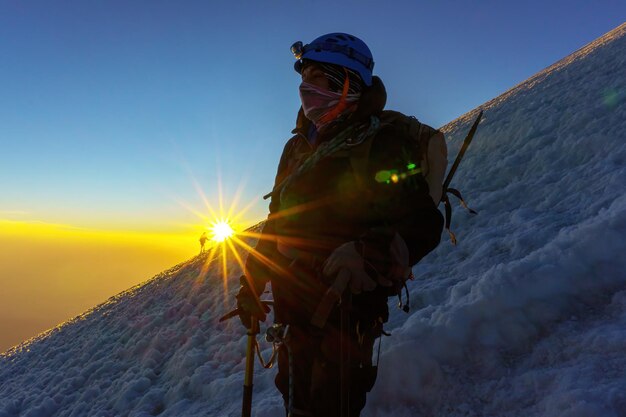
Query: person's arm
{"x": 258, "y": 268}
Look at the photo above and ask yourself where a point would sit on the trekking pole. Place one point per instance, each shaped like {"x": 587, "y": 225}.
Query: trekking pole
{"x": 344, "y": 352}
{"x": 246, "y": 406}
{"x": 253, "y": 331}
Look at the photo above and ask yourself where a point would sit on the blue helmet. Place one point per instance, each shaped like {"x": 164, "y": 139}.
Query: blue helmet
{"x": 339, "y": 49}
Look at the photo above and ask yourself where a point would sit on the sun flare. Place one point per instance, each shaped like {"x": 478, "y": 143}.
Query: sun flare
{"x": 233, "y": 241}
{"x": 221, "y": 230}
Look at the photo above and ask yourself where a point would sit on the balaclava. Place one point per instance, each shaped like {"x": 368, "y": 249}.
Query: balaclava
{"x": 322, "y": 106}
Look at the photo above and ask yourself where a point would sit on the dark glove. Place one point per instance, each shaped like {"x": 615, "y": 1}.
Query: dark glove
{"x": 381, "y": 258}
{"x": 349, "y": 266}
{"x": 249, "y": 305}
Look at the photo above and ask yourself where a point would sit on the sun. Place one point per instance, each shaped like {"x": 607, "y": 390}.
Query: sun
{"x": 231, "y": 239}
{"x": 221, "y": 230}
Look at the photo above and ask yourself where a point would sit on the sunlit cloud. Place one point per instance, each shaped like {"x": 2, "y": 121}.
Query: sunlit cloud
{"x": 45, "y": 230}
{"x": 13, "y": 213}
{"x": 37, "y": 227}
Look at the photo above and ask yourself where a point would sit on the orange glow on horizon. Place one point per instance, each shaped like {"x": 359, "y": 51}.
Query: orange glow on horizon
{"x": 50, "y": 273}
{"x": 72, "y": 268}
{"x": 43, "y": 230}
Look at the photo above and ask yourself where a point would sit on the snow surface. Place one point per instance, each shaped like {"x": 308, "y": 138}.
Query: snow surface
{"x": 525, "y": 317}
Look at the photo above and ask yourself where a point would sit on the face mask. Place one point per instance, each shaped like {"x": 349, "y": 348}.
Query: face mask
{"x": 317, "y": 102}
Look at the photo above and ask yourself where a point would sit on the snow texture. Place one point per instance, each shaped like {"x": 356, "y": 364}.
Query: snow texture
{"x": 525, "y": 317}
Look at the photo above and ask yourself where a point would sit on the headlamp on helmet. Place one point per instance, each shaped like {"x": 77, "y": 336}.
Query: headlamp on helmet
{"x": 339, "y": 49}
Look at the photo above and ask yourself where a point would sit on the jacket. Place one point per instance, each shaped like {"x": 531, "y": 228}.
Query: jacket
{"x": 394, "y": 186}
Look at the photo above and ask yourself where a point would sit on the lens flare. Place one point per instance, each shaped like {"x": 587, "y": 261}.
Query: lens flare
{"x": 221, "y": 230}
{"x": 232, "y": 241}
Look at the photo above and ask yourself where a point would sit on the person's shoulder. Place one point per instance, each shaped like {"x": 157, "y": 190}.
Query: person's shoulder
{"x": 411, "y": 125}
{"x": 294, "y": 143}
{"x": 392, "y": 116}
{"x": 291, "y": 141}
{"x": 396, "y": 117}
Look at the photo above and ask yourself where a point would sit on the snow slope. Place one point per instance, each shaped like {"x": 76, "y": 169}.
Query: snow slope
{"x": 525, "y": 317}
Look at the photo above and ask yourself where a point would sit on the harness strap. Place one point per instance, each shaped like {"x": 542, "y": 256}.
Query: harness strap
{"x": 406, "y": 307}
{"x": 423, "y": 133}
{"x": 458, "y": 195}
{"x": 359, "y": 158}
{"x": 448, "y": 209}
{"x": 269, "y": 364}
{"x": 278, "y": 335}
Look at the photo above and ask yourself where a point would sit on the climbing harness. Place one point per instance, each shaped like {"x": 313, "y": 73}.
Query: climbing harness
{"x": 278, "y": 335}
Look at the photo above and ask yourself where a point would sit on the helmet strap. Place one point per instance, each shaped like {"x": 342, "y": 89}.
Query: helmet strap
{"x": 341, "y": 106}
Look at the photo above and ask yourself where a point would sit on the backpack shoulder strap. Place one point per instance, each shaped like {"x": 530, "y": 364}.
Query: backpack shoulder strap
{"x": 359, "y": 158}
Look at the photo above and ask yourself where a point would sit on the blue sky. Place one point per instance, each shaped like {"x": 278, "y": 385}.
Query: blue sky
{"x": 109, "y": 111}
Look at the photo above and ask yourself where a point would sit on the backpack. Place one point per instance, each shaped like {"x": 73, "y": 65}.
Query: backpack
{"x": 421, "y": 135}
{"x": 406, "y": 125}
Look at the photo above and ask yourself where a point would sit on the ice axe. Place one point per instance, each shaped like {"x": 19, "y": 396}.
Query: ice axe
{"x": 446, "y": 184}
{"x": 253, "y": 331}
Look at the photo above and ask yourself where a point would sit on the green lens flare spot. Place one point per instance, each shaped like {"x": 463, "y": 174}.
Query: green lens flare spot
{"x": 383, "y": 176}
{"x": 611, "y": 98}
{"x": 389, "y": 176}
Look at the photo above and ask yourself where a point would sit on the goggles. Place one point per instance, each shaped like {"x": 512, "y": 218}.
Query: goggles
{"x": 298, "y": 49}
